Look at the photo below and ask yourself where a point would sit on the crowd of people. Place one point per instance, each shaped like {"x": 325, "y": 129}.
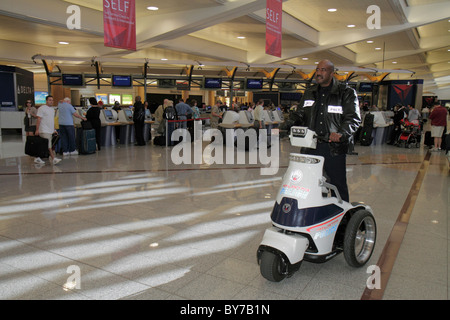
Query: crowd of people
{"x": 41, "y": 121}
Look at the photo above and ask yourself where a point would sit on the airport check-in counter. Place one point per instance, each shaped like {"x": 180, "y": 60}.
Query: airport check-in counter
{"x": 278, "y": 115}
{"x": 125, "y": 119}
{"x": 230, "y": 120}
{"x": 246, "y": 119}
{"x": 108, "y": 118}
{"x": 382, "y": 126}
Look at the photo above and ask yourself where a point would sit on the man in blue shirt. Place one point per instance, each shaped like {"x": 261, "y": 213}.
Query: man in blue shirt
{"x": 66, "y": 112}
{"x": 183, "y": 110}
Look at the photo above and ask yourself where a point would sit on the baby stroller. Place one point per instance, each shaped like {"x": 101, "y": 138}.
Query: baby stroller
{"x": 410, "y": 134}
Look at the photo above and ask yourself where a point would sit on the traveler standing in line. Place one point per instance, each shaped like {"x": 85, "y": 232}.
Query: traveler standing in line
{"x": 195, "y": 109}
{"x": 66, "y": 127}
{"x": 93, "y": 116}
{"x": 438, "y": 117}
{"x": 139, "y": 121}
{"x": 331, "y": 110}
{"x": 183, "y": 111}
{"x": 159, "y": 117}
{"x": 45, "y": 127}
{"x": 215, "y": 115}
{"x": 258, "y": 115}
{"x": 30, "y": 113}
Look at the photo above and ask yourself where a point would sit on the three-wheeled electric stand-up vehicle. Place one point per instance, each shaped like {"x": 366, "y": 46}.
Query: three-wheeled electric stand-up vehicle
{"x": 308, "y": 223}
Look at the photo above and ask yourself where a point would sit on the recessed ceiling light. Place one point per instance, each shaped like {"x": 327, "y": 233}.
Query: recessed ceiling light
{"x": 305, "y": 58}
{"x": 394, "y": 62}
{"x": 377, "y": 48}
{"x": 164, "y": 59}
{"x": 351, "y": 26}
{"x": 241, "y": 37}
{"x": 332, "y": 10}
{"x": 369, "y": 41}
{"x": 151, "y": 8}
{"x": 63, "y": 42}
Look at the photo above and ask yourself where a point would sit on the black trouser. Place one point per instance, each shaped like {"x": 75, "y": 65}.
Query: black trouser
{"x": 334, "y": 168}
{"x": 98, "y": 137}
{"x": 139, "y": 133}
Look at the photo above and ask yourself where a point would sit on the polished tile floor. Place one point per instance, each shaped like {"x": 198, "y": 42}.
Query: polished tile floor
{"x": 128, "y": 223}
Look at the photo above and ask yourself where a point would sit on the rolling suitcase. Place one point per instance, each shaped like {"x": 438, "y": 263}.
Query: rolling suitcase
{"x": 366, "y": 131}
{"x": 36, "y": 146}
{"x": 87, "y": 142}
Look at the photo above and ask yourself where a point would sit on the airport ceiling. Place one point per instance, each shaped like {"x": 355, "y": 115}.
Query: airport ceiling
{"x": 413, "y": 35}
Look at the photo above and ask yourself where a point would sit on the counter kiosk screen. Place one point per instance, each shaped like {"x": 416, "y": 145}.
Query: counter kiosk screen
{"x": 73, "y": 80}
{"x": 254, "y": 84}
{"x": 108, "y": 114}
{"x": 121, "y": 81}
{"x": 213, "y": 83}
{"x": 128, "y": 113}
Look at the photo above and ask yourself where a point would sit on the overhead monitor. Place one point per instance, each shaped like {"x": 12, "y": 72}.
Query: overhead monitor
{"x": 122, "y": 81}
{"x": 290, "y": 96}
{"x": 72, "y": 80}
{"x": 212, "y": 83}
{"x": 254, "y": 84}
{"x": 167, "y": 83}
{"x": 365, "y": 87}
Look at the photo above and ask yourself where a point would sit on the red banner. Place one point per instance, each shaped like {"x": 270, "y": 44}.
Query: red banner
{"x": 274, "y": 9}
{"x": 119, "y": 24}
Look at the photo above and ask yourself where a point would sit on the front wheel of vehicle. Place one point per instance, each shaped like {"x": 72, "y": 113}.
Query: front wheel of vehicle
{"x": 272, "y": 266}
{"x": 359, "y": 239}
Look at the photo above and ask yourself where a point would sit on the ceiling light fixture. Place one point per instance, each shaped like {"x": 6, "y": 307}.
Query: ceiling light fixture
{"x": 63, "y": 42}
{"x": 164, "y": 59}
{"x": 241, "y": 37}
{"x": 351, "y": 26}
{"x": 377, "y": 48}
{"x": 152, "y": 8}
{"x": 369, "y": 41}
{"x": 332, "y": 10}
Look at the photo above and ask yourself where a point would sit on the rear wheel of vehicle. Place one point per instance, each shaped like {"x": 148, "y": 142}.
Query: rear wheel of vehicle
{"x": 359, "y": 239}
{"x": 272, "y": 266}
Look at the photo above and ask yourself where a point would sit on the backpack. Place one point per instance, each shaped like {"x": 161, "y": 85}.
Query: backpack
{"x": 170, "y": 113}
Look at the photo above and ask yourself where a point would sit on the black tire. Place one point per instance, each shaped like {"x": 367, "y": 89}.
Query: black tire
{"x": 360, "y": 237}
{"x": 272, "y": 266}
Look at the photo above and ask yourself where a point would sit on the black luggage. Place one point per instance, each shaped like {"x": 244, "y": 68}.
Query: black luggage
{"x": 428, "y": 141}
{"x": 36, "y": 146}
{"x": 444, "y": 142}
{"x": 159, "y": 141}
{"x": 87, "y": 143}
{"x": 366, "y": 131}
{"x": 447, "y": 143}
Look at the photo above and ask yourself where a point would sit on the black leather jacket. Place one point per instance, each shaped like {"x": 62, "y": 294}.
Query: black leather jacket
{"x": 342, "y": 113}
